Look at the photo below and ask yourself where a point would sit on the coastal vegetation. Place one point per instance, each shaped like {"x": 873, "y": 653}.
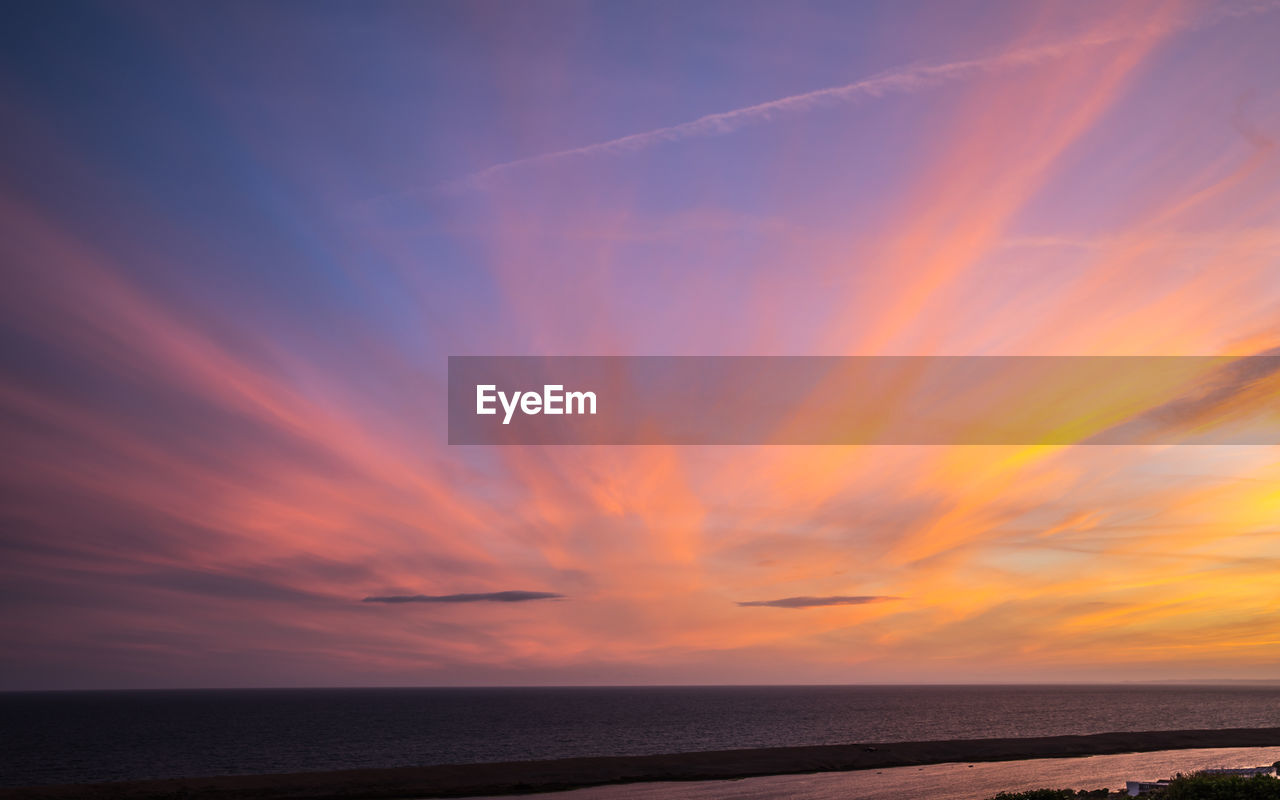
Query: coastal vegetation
{"x": 1221, "y": 787}
{"x": 1197, "y": 786}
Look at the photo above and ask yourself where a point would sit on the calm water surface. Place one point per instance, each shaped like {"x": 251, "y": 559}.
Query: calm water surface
{"x": 76, "y": 737}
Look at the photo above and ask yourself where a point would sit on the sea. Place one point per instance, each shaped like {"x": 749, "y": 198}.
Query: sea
{"x": 78, "y": 737}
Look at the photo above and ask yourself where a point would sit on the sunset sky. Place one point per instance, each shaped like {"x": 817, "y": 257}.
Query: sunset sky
{"x": 239, "y": 240}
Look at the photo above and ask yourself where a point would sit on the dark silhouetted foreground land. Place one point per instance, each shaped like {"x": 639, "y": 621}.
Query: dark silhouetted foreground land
{"x": 519, "y": 777}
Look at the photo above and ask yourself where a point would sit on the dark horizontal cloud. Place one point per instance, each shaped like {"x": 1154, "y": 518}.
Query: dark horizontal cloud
{"x": 484, "y": 597}
{"x": 810, "y": 602}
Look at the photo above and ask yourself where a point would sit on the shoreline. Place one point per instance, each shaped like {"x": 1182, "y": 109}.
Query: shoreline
{"x": 527, "y": 777}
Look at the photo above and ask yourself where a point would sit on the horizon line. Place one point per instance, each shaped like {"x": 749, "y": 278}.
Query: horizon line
{"x": 1158, "y": 682}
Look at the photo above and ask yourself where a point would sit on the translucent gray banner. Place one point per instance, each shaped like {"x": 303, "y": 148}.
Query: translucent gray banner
{"x": 891, "y": 400}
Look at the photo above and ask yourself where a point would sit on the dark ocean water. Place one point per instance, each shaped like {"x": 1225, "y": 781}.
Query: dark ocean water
{"x": 73, "y": 737}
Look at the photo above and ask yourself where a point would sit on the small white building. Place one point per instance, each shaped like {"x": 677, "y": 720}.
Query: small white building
{"x": 1135, "y": 788}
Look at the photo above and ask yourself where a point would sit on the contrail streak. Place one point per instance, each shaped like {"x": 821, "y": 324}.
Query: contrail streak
{"x": 901, "y": 80}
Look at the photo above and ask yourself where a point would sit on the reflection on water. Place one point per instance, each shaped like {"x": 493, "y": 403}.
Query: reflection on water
{"x": 943, "y": 781}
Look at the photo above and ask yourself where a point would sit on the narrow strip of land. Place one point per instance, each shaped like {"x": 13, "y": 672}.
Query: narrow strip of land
{"x": 521, "y": 777}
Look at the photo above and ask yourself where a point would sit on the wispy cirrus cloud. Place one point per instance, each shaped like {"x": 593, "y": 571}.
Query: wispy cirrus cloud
{"x": 1238, "y": 391}
{"x": 482, "y": 597}
{"x": 814, "y": 602}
